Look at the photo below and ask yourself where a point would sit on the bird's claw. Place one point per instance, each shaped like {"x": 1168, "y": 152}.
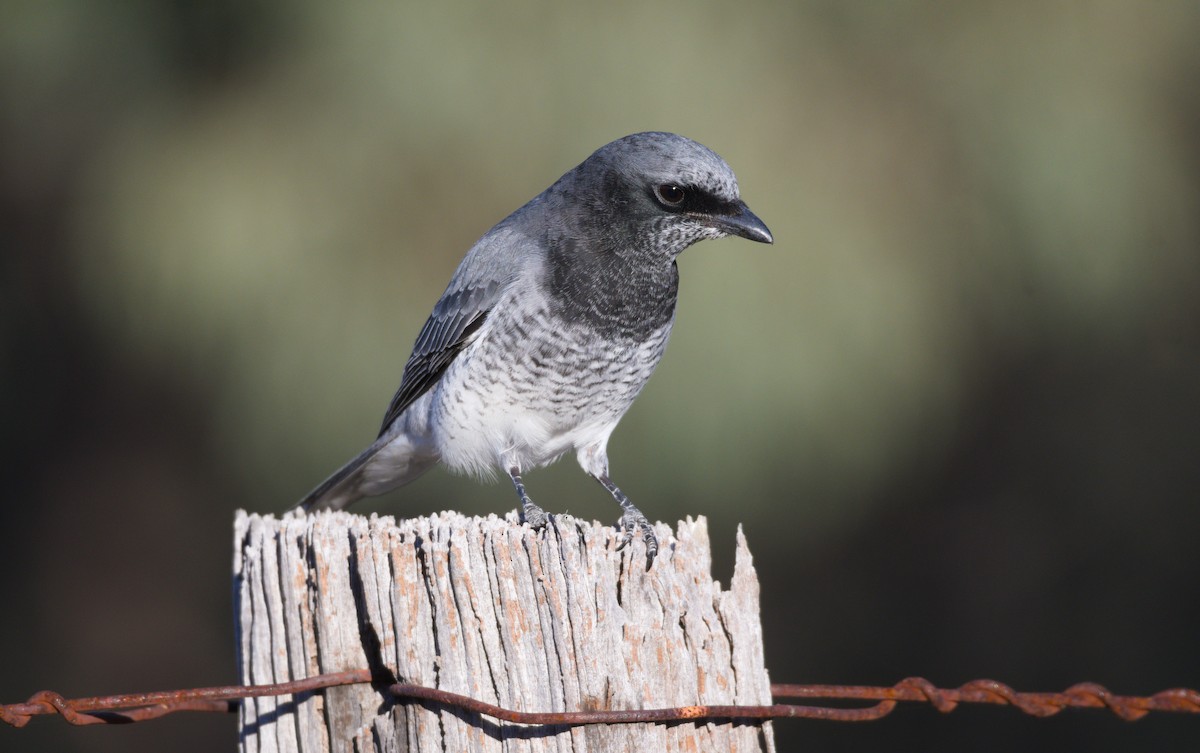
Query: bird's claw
{"x": 535, "y": 516}
{"x": 631, "y": 521}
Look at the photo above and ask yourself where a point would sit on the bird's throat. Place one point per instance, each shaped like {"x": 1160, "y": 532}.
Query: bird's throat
{"x": 626, "y": 297}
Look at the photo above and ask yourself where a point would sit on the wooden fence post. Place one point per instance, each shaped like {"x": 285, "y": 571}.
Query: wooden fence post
{"x": 534, "y": 621}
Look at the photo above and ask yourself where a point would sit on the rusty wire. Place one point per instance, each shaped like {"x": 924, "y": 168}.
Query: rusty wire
{"x": 135, "y": 707}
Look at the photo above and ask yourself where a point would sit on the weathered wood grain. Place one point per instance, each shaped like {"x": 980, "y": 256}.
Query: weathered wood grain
{"x": 535, "y": 621}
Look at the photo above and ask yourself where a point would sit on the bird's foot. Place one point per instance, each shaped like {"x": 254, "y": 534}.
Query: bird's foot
{"x": 535, "y": 516}
{"x": 631, "y": 521}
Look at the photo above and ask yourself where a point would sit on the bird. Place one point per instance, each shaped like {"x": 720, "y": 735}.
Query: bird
{"x": 551, "y": 325}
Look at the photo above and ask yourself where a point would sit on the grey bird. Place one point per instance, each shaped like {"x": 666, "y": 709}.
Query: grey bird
{"x": 551, "y": 326}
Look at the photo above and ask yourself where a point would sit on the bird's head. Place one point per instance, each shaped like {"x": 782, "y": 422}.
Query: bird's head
{"x": 661, "y": 192}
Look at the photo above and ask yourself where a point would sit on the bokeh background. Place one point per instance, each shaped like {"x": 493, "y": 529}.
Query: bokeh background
{"x": 956, "y": 406}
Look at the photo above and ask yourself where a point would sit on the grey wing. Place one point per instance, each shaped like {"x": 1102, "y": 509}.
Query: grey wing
{"x": 455, "y": 320}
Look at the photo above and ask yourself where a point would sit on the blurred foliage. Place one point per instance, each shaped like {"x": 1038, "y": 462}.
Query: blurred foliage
{"x": 955, "y": 405}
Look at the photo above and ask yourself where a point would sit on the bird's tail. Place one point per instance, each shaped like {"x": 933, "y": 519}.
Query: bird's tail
{"x": 387, "y": 464}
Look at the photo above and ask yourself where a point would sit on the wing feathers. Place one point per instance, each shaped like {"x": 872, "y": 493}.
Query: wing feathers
{"x": 454, "y": 322}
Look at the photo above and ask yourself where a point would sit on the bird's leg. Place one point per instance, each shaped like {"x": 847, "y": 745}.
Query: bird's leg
{"x": 631, "y": 520}
{"x": 535, "y": 516}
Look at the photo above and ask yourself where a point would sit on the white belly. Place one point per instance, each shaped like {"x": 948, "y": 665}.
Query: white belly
{"x": 542, "y": 401}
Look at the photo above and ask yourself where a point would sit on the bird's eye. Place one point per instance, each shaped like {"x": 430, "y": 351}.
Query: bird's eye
{"x": 669, "y": 193}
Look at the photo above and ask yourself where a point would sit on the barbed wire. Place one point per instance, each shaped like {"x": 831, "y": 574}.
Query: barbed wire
{"x": 136, "y": 707}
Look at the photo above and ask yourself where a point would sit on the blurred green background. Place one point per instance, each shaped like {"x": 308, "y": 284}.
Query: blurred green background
{"x": 956, "y": 406}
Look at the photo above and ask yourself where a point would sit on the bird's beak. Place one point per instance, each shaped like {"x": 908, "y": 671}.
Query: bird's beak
{"x": 744, "y": 223}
